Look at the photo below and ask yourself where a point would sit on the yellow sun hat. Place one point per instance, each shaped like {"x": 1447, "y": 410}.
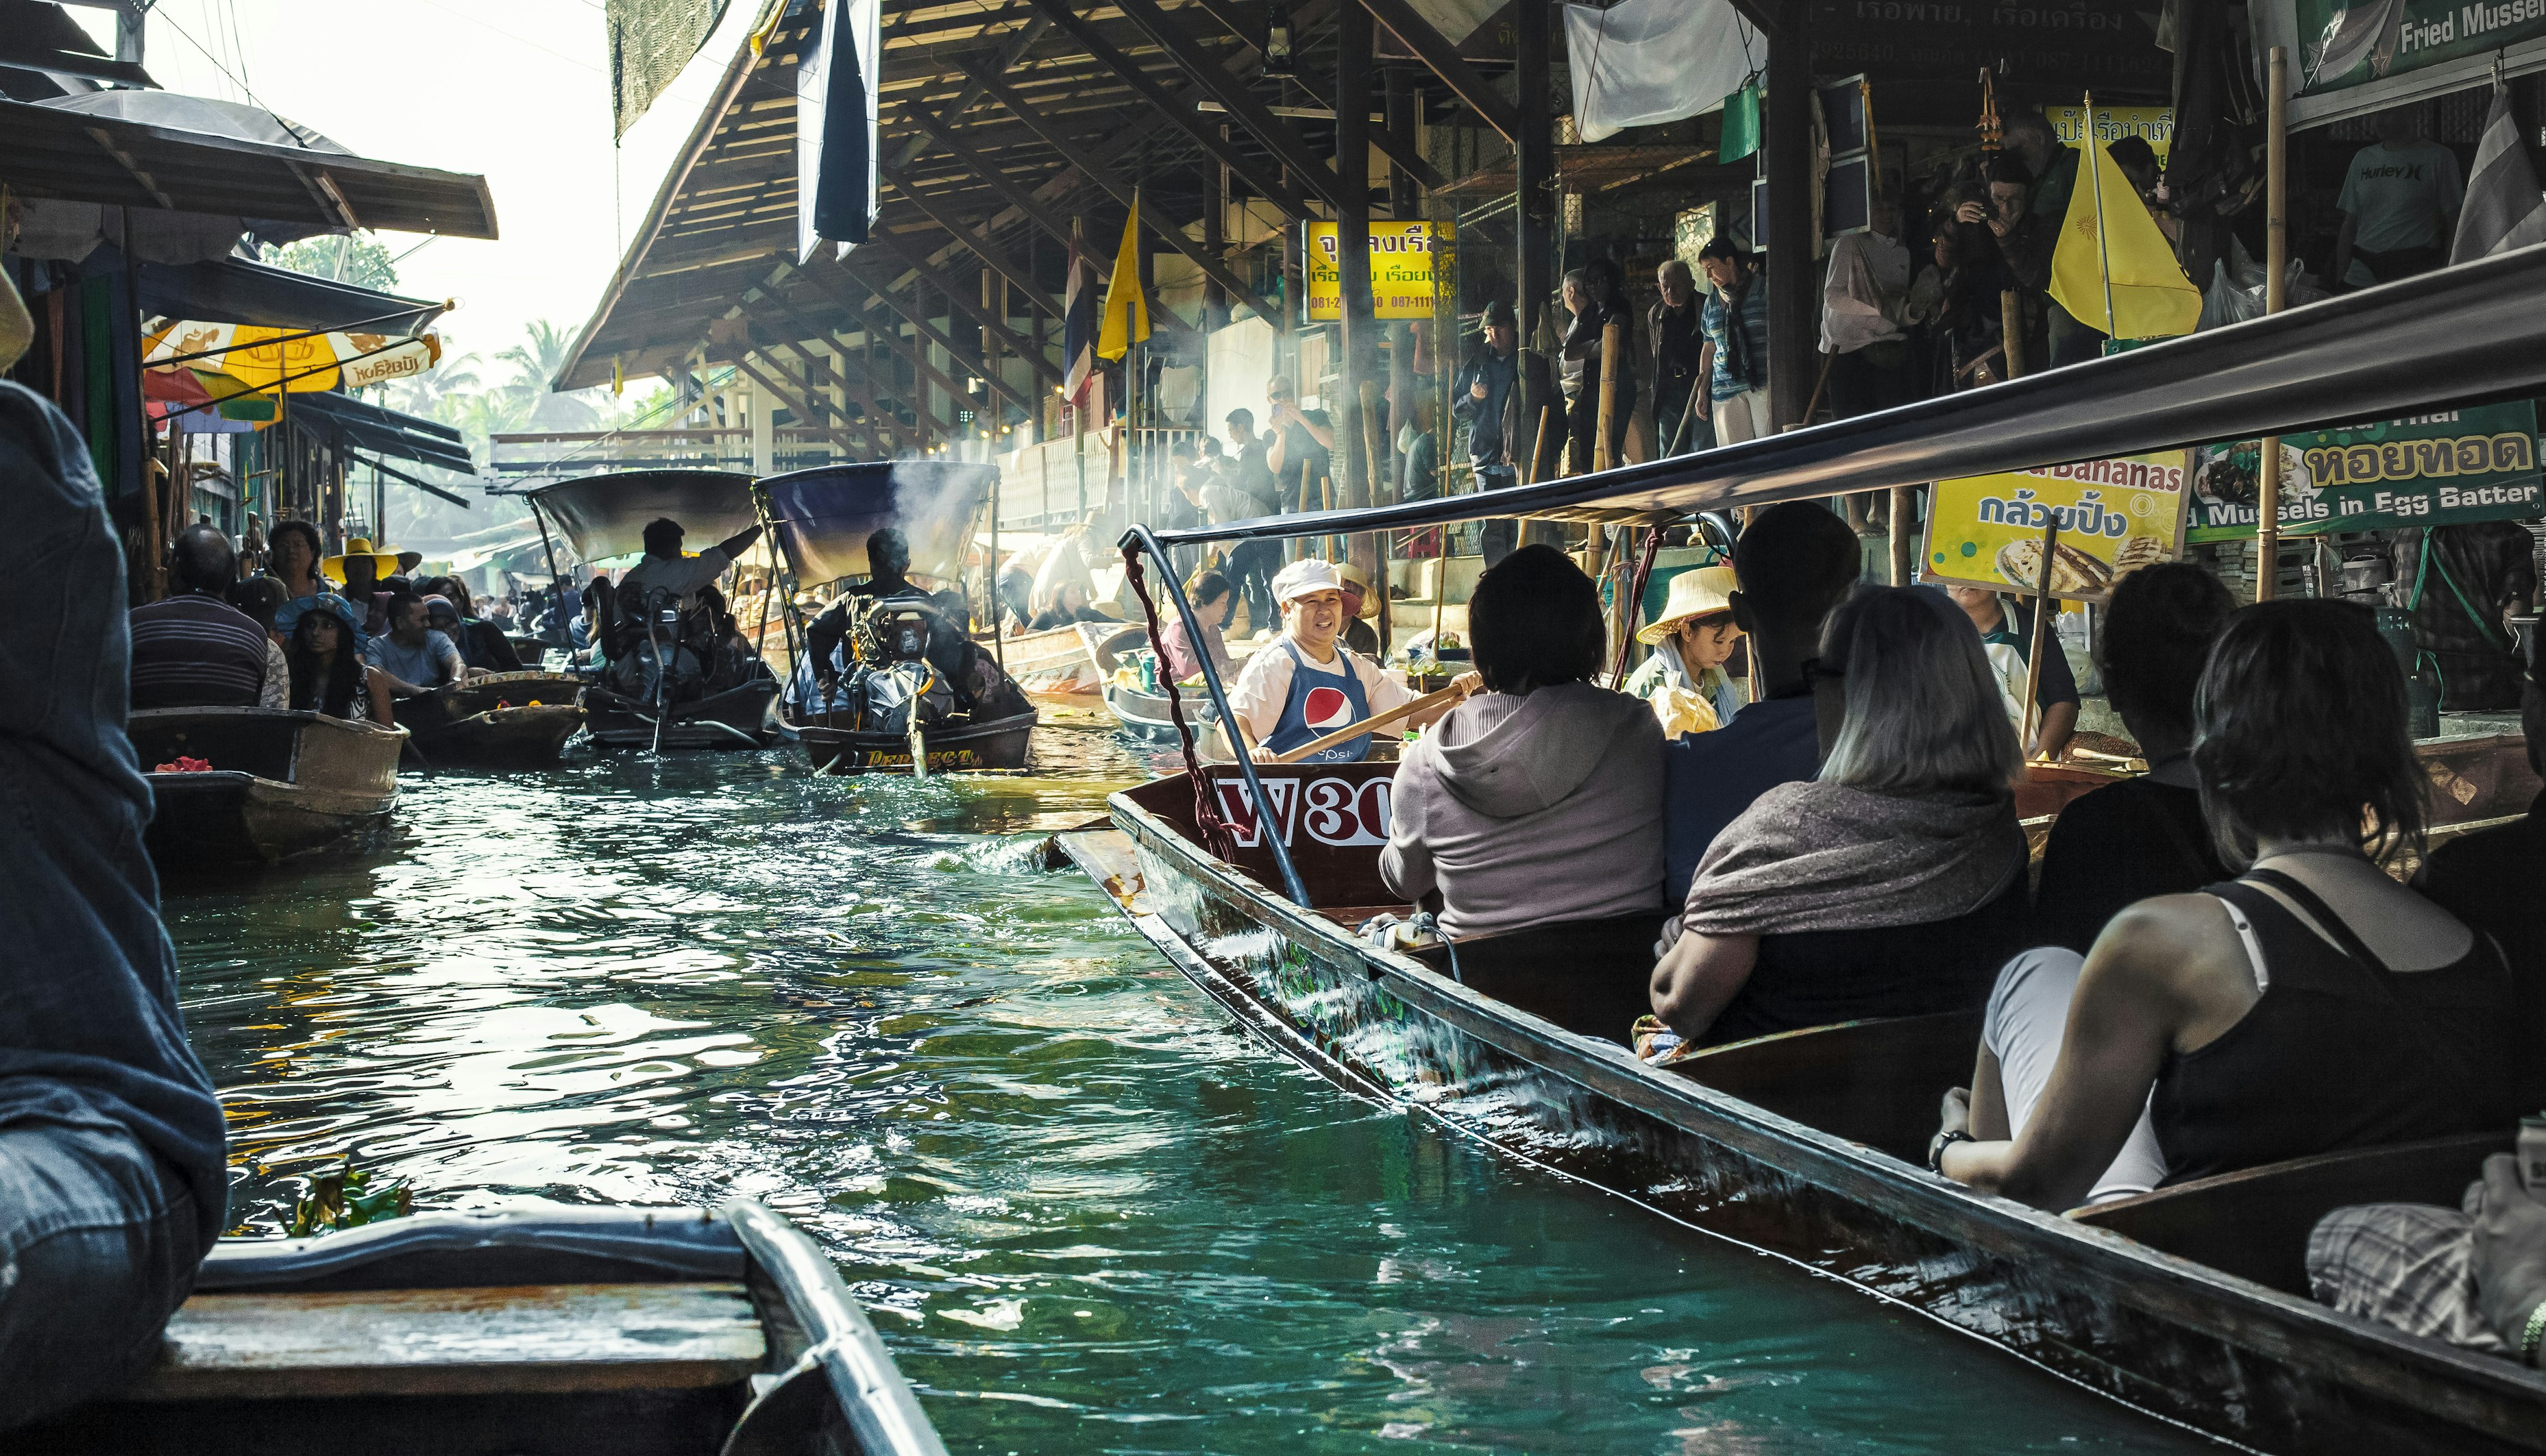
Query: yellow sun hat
{"x": 1699, "y": 593}
{"x": 384, "y": 563}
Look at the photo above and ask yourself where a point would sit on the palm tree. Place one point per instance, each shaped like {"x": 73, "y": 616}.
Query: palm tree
{"x": 539, "y": 359}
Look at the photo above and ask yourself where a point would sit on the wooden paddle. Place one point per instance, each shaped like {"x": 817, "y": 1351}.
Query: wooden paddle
{"x": 1350, "y": 732}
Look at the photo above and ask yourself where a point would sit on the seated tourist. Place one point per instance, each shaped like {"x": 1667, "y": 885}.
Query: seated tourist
{"x": 2143, "y": 836}
{"x": 1212, "y": 600}
{"x": 2474, "y": 1275}
{"x": 192, "y": 648}
{"x": 445, "y": 616}
{"x": 664, "y": 569}
{"x": 1684, "y": 679}
{"x": 293, "y": 553}
{"x": 1794, "y": 562}
{"x": 888, "y": 576}
{"x": 113, "y": 1178}
{"x": 360, "y": 569}
{"x": 1307, "y": 684}
{"x": 2490, "y": 878}
{"x": 1531, "y": 815}
{"x": 482, "y": 644}
{"x": 261, "y": 598}
{"x": 415, "y": 659}
{"x": 2311, "y": 1005}
{"x": 1893, "y": 884}
{"x": 328, "y": 674}
{"x": 1360, "y": 605}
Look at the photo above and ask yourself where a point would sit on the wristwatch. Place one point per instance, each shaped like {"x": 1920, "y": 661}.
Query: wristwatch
{"x": 1947, "y": 1139}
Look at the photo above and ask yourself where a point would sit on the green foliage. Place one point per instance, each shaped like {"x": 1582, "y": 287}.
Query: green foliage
{"x": 344, "y": 1198}
{"x": 345, "y": 258}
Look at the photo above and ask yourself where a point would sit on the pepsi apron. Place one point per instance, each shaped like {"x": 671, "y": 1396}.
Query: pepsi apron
{"x": 1320, "y": 703}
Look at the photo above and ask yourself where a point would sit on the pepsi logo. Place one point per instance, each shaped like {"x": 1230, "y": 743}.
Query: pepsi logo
{"x": 1327, "y": 707}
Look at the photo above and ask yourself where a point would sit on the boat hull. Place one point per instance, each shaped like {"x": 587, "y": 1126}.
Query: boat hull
{"x": 2161, "y": 1333}
{"x": 283, "y": 784}
{"x": 513, "y": 720}
{"x": 738, "y": 718}
{"x": 1003, "y": 744}
{"x": 1057, "y": 663}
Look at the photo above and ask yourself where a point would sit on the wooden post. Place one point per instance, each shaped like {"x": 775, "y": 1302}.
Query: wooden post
{"x": 1533, "y": 167}
{"x": 2044, "y": 608}
{"x": 2011, "y": 319}
{"x": 2276, "y": 267}
{"x": 1794, "y": 283}
{"x": 1903, "y": 540}
{"x": 1612, "y": 344}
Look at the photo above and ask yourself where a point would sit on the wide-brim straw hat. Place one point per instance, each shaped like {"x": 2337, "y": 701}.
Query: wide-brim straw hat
{"x": 1369, "y": 599}
{"x": 1699, "y": 593}
{"x": 384, "y": 563}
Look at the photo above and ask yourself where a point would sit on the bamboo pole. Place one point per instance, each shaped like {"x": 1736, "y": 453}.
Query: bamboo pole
{"x": 1612, "y": 340}
{"x": 2276, "y": 267}
{"x": 1352, "y": 731}
{"x": 2010, "y": 322}
{"x": 2043, "y": 609}
{"x": 1905, "y": 548}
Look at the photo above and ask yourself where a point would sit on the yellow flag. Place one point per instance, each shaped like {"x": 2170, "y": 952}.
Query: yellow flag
{"x": 1127, "y": 310}
{"x": 2150, "y": 296}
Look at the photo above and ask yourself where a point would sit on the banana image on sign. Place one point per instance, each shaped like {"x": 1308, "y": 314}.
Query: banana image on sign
{"x": 2115, "y": 516}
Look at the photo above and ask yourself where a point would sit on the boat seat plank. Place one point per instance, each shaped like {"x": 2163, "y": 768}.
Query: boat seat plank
{"x": 2255, "y": 1222}
{"x": 1878, "y": 1082}
{"x": 544, "y": 1338}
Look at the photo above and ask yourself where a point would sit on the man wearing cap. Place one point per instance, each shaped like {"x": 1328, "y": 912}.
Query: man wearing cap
{"x": 1684, "y": 679}
{"x": 1307, "y": 684}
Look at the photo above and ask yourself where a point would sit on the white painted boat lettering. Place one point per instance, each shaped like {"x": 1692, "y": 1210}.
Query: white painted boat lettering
{"x": 1337, "y": 811}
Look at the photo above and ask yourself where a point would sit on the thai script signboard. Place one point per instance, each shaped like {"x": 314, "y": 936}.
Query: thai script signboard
{"x": 1401, "y": 269}
{"x": 2115, "y": 516}
{"x": 2434, "y": 470}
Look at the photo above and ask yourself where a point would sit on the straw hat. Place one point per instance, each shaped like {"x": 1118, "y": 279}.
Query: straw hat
{"x": 1369, "y": 599}
{"x": 1304, "y": 576}
{"x": 384, "y": 563}
{"x": 1695, "y": 593}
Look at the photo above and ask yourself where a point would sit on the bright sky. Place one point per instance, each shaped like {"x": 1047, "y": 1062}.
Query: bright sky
{"x": 515, "y": 90}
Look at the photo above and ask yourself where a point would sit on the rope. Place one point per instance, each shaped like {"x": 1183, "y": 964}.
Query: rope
{"x": 1217, "y": 836}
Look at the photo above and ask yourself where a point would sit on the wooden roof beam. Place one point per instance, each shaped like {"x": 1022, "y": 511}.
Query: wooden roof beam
{"x": 1444, "y": 60}
{"x": 892, "y": 339}
{"x": 957, "y": 296}
{"x": 928, "y": 329}
{"x": 1229, "y": 91}
{"x": 1027, "y": 204}
{"x": 1178, "y": 110}
{"x": 774, "y": 298}
{"x": 1395, "y": 148}
{"x": 1017, "y": 275}
{"x": 1213, "y": 267}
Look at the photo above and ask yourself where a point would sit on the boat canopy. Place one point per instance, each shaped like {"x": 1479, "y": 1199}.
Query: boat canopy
{"x": 605, "y": 516}
{"x": 824, "y": 515}
{"x": 2462, "y": 335}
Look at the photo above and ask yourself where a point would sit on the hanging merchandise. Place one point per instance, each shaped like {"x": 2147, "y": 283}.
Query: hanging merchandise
{"x": 1740, "y": 123}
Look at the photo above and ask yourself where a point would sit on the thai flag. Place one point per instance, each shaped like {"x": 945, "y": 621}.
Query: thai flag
{"x": 1078, "y": 329}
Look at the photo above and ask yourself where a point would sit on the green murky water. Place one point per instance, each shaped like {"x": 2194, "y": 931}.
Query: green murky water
{"x": 1087, "y": 1214}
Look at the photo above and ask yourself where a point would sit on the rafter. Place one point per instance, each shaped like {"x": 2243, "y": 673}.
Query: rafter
{"x": 928, "y": 329}
{"x": 1225, "y": 89}
{"x": 959, "y": 298}
{"x": 1018, "y": 276}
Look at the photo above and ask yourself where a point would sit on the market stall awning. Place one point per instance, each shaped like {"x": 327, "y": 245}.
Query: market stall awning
{"x": 38, "y": 36}
{"x": 2461, "y": 335}
{"x": 605, "y": 516}
{"x": 236, "y": 291}
{"x": 342, "y": 422}
{"x": 59, "y": 150}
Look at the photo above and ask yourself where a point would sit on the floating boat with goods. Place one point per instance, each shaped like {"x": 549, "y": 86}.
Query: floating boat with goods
{"x": 1060, "y": 661}
{"x": 547, "y": 1331}
{"x": 2189, "y": 1302}
{"x": 893, "y": 712}
{"x": 240, "y": 788}
{"x": 604, "y": 517}
{"x": 510, "y": 719}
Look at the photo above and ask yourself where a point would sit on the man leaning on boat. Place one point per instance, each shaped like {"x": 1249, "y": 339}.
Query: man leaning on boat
{"x": 112, "y": 1184}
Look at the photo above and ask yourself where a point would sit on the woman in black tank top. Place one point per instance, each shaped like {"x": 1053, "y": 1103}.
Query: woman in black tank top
{"x": 2311, "y": 1005}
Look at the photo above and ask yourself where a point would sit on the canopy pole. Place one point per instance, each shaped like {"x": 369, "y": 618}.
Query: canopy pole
{"x": 1140, "y": 539}
{"x": 557, "y": 582}
{"x": 998, "y": 628}
{"x": 2043, "y": 608}
{"x": 2276, "y": 267}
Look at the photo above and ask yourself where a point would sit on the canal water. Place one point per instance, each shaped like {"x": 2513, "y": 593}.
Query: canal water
{"x": 1085, "y": 1213}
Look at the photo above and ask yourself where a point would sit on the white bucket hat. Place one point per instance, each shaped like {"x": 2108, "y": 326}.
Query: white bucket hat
{"x": 1699, "y": 593}
{"x": 1303, "y": 576}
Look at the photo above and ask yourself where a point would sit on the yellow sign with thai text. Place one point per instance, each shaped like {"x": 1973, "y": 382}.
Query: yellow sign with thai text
{"x": 1401, "y": 269}
{"x": 2154, "y": 124}
{"x": 2115, "y": 516}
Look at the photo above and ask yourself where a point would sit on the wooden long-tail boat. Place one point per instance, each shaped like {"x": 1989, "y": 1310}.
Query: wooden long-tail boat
{"x": 738, "y": 718}
{"x": 2184, "y": 1302}
{"x": 278, "y": 783}
{"x": 543, "y": 1331}
{"x": 1809, "y": 1146}
{"x": 1059, "y": 661}
{"x": 510, "y": 719}
{"x": 821, "y": 520}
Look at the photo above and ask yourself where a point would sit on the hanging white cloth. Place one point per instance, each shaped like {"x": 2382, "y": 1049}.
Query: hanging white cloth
{"x": 1645, "y": 61}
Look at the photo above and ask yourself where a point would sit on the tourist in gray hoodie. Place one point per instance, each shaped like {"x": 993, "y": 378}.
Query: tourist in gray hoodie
{"x": 1530, "y": 818}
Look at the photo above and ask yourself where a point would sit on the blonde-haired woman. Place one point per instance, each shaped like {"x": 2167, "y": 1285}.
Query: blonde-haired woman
{"x": 1893, "y": 884}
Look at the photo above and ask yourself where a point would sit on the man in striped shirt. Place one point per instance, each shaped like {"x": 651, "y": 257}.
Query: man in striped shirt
{"x": 194, "y": 649}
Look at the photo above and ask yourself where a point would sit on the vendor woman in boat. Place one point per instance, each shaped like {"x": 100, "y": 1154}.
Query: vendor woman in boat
{"x": 1307, "y": 684}
{"x": 1684, "y": 679}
